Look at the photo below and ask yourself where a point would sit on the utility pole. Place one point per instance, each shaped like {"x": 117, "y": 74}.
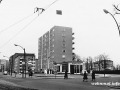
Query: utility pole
{"x": 11, "y": 65}
{"x": 104, "y": 66}
{"x": 25, "y": 62}
{"x": 99, "y": 64}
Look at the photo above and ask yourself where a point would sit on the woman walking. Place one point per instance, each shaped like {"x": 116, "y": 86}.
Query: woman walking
{"x": 93, "y": 76}
{"x": 66, "y": 75}
{"x": 85, "y": 77}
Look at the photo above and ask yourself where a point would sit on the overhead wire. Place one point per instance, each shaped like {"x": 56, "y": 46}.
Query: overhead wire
{"x": 5, "y": 29}
{"x": 23, "y": 19}
{"x": 23, "y": 27}
{"x": 50, "y": 4}
{"x": 19, "y": 32}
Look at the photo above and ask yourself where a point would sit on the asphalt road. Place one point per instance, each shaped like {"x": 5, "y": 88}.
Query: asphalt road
{"x": 56, "y": 84}
{"x": 62, "y": 84}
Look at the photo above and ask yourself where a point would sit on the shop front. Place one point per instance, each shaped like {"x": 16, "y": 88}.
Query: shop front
{"x": 75, "y": 67}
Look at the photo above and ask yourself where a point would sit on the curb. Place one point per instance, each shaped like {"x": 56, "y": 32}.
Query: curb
{"x": 115, "y": 87}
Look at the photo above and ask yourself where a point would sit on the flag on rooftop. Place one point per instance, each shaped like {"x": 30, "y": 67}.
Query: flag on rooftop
{"x": 0, "y": 1}
{"x": 59, "y": 12}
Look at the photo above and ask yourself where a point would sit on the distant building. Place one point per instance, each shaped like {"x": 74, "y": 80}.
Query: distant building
{"x": 99, "y": 65}
{"x": 4, "y": 65}
{"x": 17, "y": 62}
{"x": 40, "y": 54}
{"x": 36, "y": 66}
{"x": 55, "y": 49}
{"x": 118, "y": 67}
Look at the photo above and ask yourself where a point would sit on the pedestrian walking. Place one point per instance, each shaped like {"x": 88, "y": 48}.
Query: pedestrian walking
{"x": 85, "y": 76}
{"x": 30, "y": 73}
{"x": 15, "y": 73}
{"x": 66, "y": 75}
{"x": 93, "y": 76}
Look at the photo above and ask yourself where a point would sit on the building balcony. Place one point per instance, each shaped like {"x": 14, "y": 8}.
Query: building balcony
{"x": 73, "y": 38}
{"x": 21, "y": 64}
{"x": 73, "y": 53}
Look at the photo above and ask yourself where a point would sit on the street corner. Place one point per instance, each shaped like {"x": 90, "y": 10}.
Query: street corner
{"x": 110, "y": 85}
{"x": 11, "y": 87}
{"x": 8, "y": 83}
{"x": 114, "y": 85}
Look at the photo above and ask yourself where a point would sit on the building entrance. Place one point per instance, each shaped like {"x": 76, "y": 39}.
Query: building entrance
{"x": 75, "y": 69}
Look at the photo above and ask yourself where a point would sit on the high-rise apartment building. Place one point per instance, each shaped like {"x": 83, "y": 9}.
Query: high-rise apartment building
{"x": 55, "y": 47}
{"x": 40, "y": 45}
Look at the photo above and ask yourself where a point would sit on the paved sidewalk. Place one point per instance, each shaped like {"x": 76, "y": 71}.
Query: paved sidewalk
{"x": 40, "y": 76}
{"x": 108, "y": 75}
{"x": 52, "y": 76}
{"x": 60, "y": 76}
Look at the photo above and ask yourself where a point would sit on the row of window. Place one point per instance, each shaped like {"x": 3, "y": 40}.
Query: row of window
{"x": 51, "y": 34}
{"x": 52, "y": 51}
{"x": 52, "y": 57}
{"x": 52, "y": 40}
{"x": 52, "y": 45}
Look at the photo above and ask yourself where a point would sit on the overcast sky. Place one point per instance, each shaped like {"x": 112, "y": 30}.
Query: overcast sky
{"x": 95, "y": 32}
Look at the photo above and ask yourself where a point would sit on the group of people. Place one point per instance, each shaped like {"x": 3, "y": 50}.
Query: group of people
{"x": 85, "y": 76}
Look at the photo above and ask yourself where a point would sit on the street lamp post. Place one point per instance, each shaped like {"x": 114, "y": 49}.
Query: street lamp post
{"x": 113, "y": 18}
{"x": 24, "y": 62}
{"x": 12, "y": 66}
{"x": 49, "y": 65}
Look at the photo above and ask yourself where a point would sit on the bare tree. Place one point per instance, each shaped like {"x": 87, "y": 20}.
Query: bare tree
{"x": 83, "y": 59}
{"x": 90, "y": 62}
{"x": 86, "y": 61}
{"x": 78, "y": 57}
{"x": 97, "y": 60}
{"x": 87, "y": 64}
{"x": 117, "y": 67}
{"x": 103, "y": 57}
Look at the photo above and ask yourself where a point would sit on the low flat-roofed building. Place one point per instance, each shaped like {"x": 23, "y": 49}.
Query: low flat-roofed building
{"x": 17, "y": 61}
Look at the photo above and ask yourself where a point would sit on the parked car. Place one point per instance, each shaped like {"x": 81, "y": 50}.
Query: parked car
{"x": 5, "y": 73}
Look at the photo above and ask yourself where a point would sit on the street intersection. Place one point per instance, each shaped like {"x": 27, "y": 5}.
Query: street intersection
{"x": 50, "y": 82}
